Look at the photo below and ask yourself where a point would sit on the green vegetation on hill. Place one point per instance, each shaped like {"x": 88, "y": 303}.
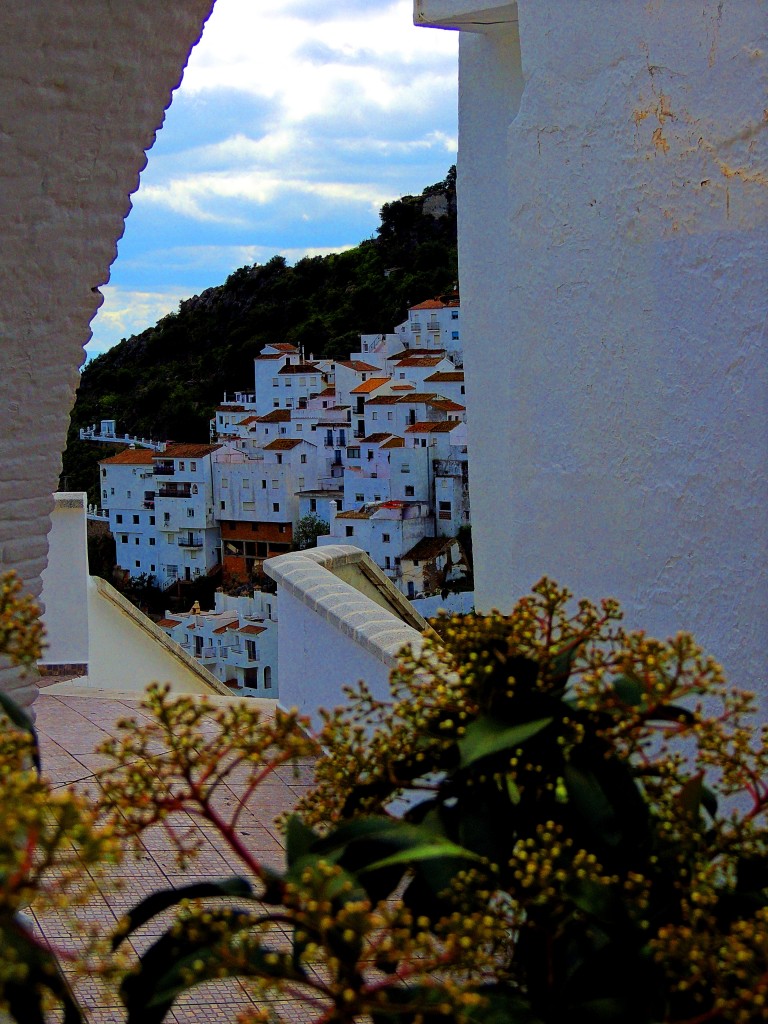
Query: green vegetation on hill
{"x": 166, "y": 381}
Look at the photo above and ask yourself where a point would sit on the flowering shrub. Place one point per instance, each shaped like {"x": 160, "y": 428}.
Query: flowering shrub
{"x": 50, "y": 845}
{"x": 550, "y": 819}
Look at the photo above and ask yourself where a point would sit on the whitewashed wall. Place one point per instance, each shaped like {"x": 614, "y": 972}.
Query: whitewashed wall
{"x": 84, "y": 89}
{"x": 65, "y": 585}
{"x": 613, "y": 190}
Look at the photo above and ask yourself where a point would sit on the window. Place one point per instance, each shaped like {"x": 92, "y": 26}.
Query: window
{"x": 166, "y": 518}
{"x": 190, "y": 513}
{"x": 405, "y": 468}
{"x": 359, "y": 497}
{"x": 111, "y": 491}
{"x": 250, "y": 649}
{"x": 275, "y": 382}
{"x": 224, "y": 482}
{"x": 181, "y": 465}
{"x": 279, "y": 459}
{"x": 353, "y": 453}
{"x": 402, "y": 376}
{"x": 118, "y": 518}
{"x": 303, "y": 458}
{"x": 275, "y": 506}
{"x": 123, "y": 538}
{"x": 390, "y": 415}
{"x": 454, "y": 314}
{"x": 301, "y": 483}
{"x": 462, "y": 389}
{"x": 103, "y": 472}
{"x": 104, "y": 494}
{"x": 409, "y": 492}
{"x": 299, "y": 427}
{"x": 136, "y": 519}
{"x": 374, "y": 415}
{"x": 223, "y": 505}
{"x": 274, "y": 485}
{"x": 135, "y": 540}
{"x": 313, "y": 505}
{"x": 387, "y": 562}
{"x": 193, "y": 467}
{"x": 137, "y": 564}
{"x": 128, "y": 493}
{"x": 385, "y": 538}
{"x": 454, "y": 335}
{"x": 263, "y": 485}
{"x": 267, "y": 678}
{"x": 152, "y": 569}
{"x": 444, "y": 509}
{"x": 377, "y": 497}
{"x": 151, "y": 520}
{"x": 151, "y": 542}
{"x": 349, "y": 531}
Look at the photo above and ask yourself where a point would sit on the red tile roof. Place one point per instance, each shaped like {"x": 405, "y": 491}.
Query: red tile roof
{"x": 168, "y": 622}
{"x": 187, "y": 451}
{"x": 369, "y": 385}
{"x": 356, "y": 364}
{"x": 428, "y": 548}
{"x": 442, "y": 427}
{"x": 130, "y": 457}
{"x": 283, "y": 346}
{"x": 406, "y": 352}
{"x": 253, "y": 629}
{"x": 421, "y": 361}
{"x": 375, "y": 438}
{"x": 383, "y": 400}
{"x": 394, "y": 442}
{"x": 298, "y": 368}
{"x": 447, "y": 405}
{"x": 445, "y": 376}
{"x": 283, "y": 444}
{"x": 276, "y": 416}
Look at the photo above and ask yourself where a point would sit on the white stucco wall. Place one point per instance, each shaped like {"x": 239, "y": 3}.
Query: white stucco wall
{"x": 65, "y": 584}
{"x": 613, "y": 190}
{"x": 84, "y": 89}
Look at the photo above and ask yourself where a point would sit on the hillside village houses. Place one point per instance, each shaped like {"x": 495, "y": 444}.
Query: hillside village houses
{"x": 374, "y": 446}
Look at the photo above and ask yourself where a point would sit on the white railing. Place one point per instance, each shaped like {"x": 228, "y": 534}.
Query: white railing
{"x": 94, "y": 434}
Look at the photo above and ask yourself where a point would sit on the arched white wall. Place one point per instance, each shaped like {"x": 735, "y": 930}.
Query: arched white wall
{"x": 84, "y": 88}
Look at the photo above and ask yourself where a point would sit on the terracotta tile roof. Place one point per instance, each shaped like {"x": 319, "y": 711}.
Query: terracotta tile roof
{"x": 269, "y": 355}
{"x": 276, "y": 416}
{"x": 230, "y": 408}
{"x": 249, "y": 419}
{"x": 329, "y": 392}
{"x": 169, "y": 622}
{"x": 375, "y": 438}
{"x": 430, "y": 304}
{"x": 402, "y": 387}
{"x": 253, "y": 629}
{"x": 427, "y": 548}
{"x": 418, "y": 396}
{"x": 369, "y": 385}
{"x": 445, "y": 376}
{"x": 406, "y": 352}
{"x": 298, "y": 368}
{"x": 394, "y": 442}
{"x": 130, "y": 457}
{"x": 356, "y": 364}
{"x": 187, "y": 451}
{"x": 235, "y": 624}
{"x": 383, "y": 400}
{"x": 442, "y": 427}
{"x": 283, "y": 444}
{"x": 447, "y": 405}
{"x": 283, "y": 346}
{"x": 421, "y": 361}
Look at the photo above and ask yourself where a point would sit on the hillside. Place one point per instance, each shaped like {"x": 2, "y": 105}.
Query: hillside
{"x": 166, "y": 381}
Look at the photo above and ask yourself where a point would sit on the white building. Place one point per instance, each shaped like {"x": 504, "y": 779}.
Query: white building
{"x": 127, "y": 483}
{"x": 236, "y": 641}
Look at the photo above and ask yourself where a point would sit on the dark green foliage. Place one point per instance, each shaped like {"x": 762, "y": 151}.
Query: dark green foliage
{"x": 165, "y": 382}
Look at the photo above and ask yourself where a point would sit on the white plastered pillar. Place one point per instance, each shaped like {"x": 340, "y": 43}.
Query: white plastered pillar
{"x": 613, "y": 252}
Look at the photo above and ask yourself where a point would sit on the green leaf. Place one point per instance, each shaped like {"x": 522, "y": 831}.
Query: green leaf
{"x": 486, "y": 736}
{"x": 298, "y": 839}
{"x": 24, "y": 999}
{"x": 628, "y": 690}
{"x": 18, "y": 717}
{"x": 588, "y": 798}
{"x": 424, "y": 851}
{"x": 165, "y": 898}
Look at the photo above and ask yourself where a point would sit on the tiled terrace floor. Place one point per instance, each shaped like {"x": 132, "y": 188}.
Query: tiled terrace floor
{"x": 70, "y": 727}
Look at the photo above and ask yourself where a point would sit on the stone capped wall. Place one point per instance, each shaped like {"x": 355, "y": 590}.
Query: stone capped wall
{"x": 84, "y": 88}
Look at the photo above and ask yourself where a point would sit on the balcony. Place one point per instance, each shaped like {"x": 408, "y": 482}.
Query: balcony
{"x": 433, "y": 327}
{"x": 163, "y": 469}
{"x": 190, "y": 541}
{"x": 175, "y": 491}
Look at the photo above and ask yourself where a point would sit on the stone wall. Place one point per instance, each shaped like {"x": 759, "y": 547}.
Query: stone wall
{"x": 84, "y": 89}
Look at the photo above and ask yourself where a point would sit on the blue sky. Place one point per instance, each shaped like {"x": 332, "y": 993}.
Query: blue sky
{"x": 296, "y": 120}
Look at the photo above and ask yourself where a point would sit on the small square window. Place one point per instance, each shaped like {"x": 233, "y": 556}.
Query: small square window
{"x": 349, "y": 531}
{"x": 152, "y": 567}
{"x": 181, "y": 464}
{"x": 409, "y": 492}
{"x": 223, "y": 505}
{"x": 151, "y": 542}
{"x": 275, "y": 506}
{"x": 136, "y": 519}
{"x": 193, "y": 467}
{"x": 118, "y": 518}
{"x": 385, "y": 538}
{"x": 123, "y": 539}
{"x": 303, "y": 459}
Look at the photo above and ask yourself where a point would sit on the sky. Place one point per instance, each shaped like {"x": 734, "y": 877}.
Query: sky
{"x": 296, "y": 120}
